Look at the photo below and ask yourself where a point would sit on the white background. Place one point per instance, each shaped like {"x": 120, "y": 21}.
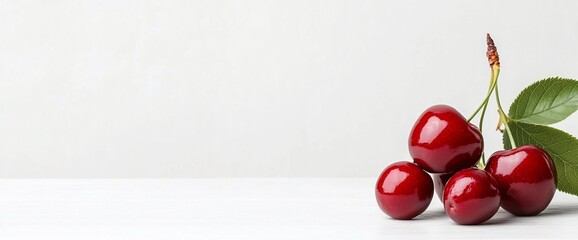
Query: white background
{"x": 255, "y": 88}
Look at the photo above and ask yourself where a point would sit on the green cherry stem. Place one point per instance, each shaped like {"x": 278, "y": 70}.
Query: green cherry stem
{"x": 493, "y": 86}
{"x": 493, "y": 83}
{"x": 494, "y": 60}
{"x": 504, "y": 120}
{"x": 503, "y": 117}
{"x": 484, "y": 104}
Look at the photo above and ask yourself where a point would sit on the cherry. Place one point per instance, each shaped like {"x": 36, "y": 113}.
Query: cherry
{"x": 526, "y": 177}
{"x": 471, "y": 196}
{"x": 404, "y": 190}
{"x": 443, "y": 141}
{"x": 440, "y": 180}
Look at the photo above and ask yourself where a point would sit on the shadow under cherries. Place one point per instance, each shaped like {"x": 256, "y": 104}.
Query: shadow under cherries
{"x": 499, "y": 218}
{"x": 427, "y": 215}
{"x": 502, "y": 216}
{"x": 551, "y": 210}
{"x": 559, "y": 210}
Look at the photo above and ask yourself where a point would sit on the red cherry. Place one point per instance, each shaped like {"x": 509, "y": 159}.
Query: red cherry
{"x": 526, "y": 177}
{"x": 443, "y": 141}
{"x": 404, "y": 190}
{"x": 440, "y": 180}
{"x": 471, "y": 196}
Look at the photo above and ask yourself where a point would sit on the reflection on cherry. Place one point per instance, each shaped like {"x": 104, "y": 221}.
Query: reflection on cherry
{"x": 404, "y": 190}
{"x": 442, "y": 141}
{"x": 526, "y": 177}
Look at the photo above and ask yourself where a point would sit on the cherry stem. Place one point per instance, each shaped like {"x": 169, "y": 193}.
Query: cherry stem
{"x": 503, "y": 116}
{"x": 484, "y": 104}
{"x": 494, "y": 61}
{"x": 483, "y": 107}
{"x": 493, "y": 83}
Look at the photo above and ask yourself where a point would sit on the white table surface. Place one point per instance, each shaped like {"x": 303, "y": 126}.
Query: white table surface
{"x": 241, "y": 209}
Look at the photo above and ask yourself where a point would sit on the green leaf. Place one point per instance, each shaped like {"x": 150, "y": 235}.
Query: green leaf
{"x": 561, "y": 146}
{"x": 546, "y": 102}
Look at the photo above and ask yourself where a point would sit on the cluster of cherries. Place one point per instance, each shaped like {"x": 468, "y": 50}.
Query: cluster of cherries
{"x": 442, "y": 142}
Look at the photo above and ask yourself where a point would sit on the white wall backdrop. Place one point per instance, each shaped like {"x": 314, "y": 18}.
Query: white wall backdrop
{"x": 254, "y": 88}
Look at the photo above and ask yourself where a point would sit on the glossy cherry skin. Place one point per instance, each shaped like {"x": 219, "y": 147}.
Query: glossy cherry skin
{"x": 442, "y": 141}
{"x": 471, "y": 196}
{"x": 526, "y": 177}
{"x": 404, "y": 190}
{"x": 440, "y": 180}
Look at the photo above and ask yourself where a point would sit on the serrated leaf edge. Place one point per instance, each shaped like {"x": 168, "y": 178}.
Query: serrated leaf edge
{"x": 517, "y": 99}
